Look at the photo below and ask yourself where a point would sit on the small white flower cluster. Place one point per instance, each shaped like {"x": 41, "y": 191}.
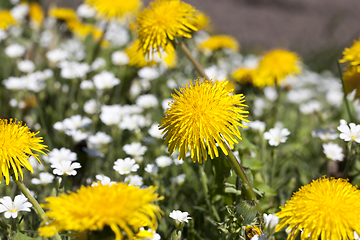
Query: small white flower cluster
{"x": 33, "y": 81}
{"x": 63, "y": 161}
{"x": 276, "y": 135}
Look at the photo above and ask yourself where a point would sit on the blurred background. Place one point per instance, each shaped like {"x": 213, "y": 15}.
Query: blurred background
{"x": 318, "y": 30}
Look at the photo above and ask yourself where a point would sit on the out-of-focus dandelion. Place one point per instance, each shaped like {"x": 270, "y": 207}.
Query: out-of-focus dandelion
{"x": 6, "y": 19}
{"x": 17, "y": 143}
{"x": 203, "y": 114}
{"x": 162, "y": 22}
{"x": 275, "y": 66}
{"x": 220, "y": 41}
{"x": 352, "y": 55}
{"x": 121, "y": 207}
{"x": 326, "y": 207}
{"x": 110, "y": 9}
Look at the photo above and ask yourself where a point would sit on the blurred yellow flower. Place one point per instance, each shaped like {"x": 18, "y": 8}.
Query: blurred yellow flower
{"x": 162, "y": 21}
{"x": 36, "y": 14}
{"x": 115, "y": 8}
{"x": 352, "y": 55}
{"x": 122, "y": 207}
{"x": 220, "y": 41}
{"x": 201, "y": 115}
{"x": 80, "y": 29}
{"x": 63, "y": 13}
{"x": 251, "y": 231}
{"x": 17, "y": 144}
{"x": 137, "y": 56}
{"x": 275, "y": 66}
{"x": 201, "y": 20}
{"x": 326, "y": 208}
{"x": 244, "y": 75}
{"x": 351, "y": 80}
{"x": 6, "y": 19}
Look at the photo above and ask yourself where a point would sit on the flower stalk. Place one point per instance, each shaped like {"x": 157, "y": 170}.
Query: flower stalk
{"x": 193, "y": 60}
{"x": 40, "y": 212}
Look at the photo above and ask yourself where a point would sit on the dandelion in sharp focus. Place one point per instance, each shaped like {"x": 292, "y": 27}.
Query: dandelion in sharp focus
{"x": 329, "y": 208}
{"x": 202, "y": 114}
{"x": 17, "y": 144}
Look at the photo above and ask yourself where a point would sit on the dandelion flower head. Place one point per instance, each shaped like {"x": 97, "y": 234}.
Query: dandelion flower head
{"x": 352, "y": 81}
{"x": 115, "y": 8}
{"x": 121, "y": 207}
{"x": 352, "y": 55}
{"x": 220, "y": 41}
{"x": 244, "y": 75}
{"x": 36, "y": 13}
{"x": 17, "y": 144}
{"x": 202, "y": 114}
{"x": 275, "y": 66}
{"x": 329, "y": 208}
{"x": 6, "y": 19}
{"x": 63, "y": 14}
{"x": 164, "y": 20}
{"x": 137, "y": 55}
{"x": 202, "y": 21}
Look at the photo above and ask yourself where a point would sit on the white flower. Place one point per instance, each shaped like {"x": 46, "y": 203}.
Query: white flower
{"x": 163, "y": 161}
{"x": 276, "y": 136}
{"x": 120, "y": 58}
{"x": 65, "y": 168}
{"x": 57, "y": 55}
{"x": 152, "y": 169}
{"x": 180, "y": 179}
{"x": 257, "y": 237}
{"x": 11, "y": 208}
{"x": 3, "y": 35}
{"x": 117, "y": 34}
{"x": 156, "y": 236}
{"x": 98, "y": 64}
{"x": 103, "y": 180}
{"x": 215, "y": 73}
{"x": 86, "y": 11}
{"x": 299, "y": 95}
{"x": 35, "y": 164}
{"x": 134, "y": 149}
{"x": 335, "y": 97}
{"x": 257, "y": 126}
{"x": 44, "y": 178}
{"x": 350, "y": 134}
{"x": 179, "y": 216}
{"x": 310, "y": 107}
{"x": 77, "y": 135}
{"x": 154, "y": 131}
{"x": 148, "y": 73}
{"x": 134, "y": 180}
{"x": 165, "y": 103}
{"x": 147, "y": 101}
{"x": 270, "y": 93}
{"x": 15, "y": 50}
{"x": 99, "y": 139}
{"x": 111, "y": 114}
{"x": 91, "y": 106}
{"x": 125, "y": 166}
{"x": 270, "y": 220}
{"x": 259, "y": 105}
{"x": 87, "y": 85}
{"x": 26, "y": 66}
{"x": 20, "y": 11}
{"x": 76, "y": 122}
{"x": 105, "y": 80}
{"x": 333, "y": 151}
{"x": 59, "y": 155}
{"x": 356, "y": 236}
{"x": 73, "y": 69}
{"x": 325, "y": 135}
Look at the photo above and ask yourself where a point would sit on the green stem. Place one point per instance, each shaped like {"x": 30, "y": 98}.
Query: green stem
{"x": 348, "y": 159}
{"x": 273, "y": 169}
{"x": 206, "y": 190}
{"x": 241, "y": 174}
{"x": 343, "y": 87}
{"x": 196, "y": 64}
{"x": 98, "y": 44}
{"x": 40, "y": 212}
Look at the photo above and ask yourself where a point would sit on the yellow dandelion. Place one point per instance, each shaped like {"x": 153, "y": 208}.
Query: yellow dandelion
{"x": 80, "y": 29}
{"x": 326, "y": 208}
{"x": 63, "y": 13}
{"x": 352, "y": 55}
{"x": 17, "y": 144}
{"x": 36, "y": 14}
{"x": 137, "y": 56}
{"x": 6, "y": 19}
{"x": 244, "y": 75}
{"x": 251, "y": 231}
{"x": 164, "y": 20}
{"x": 202, "y": 21}
{"x": 351, "y": 80}
{"x": 220, "y": 41}
{"x": 201, "y": 115}
{"x": 109, "y": 9}
{"x": 275, "y": 66}
{"x": 122, "y": 207}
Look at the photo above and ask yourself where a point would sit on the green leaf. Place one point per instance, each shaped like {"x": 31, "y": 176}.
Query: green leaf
{"x": 265, "y": 188}
{"x": 252, "y": 163}
{"x": 21, "y": 236}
